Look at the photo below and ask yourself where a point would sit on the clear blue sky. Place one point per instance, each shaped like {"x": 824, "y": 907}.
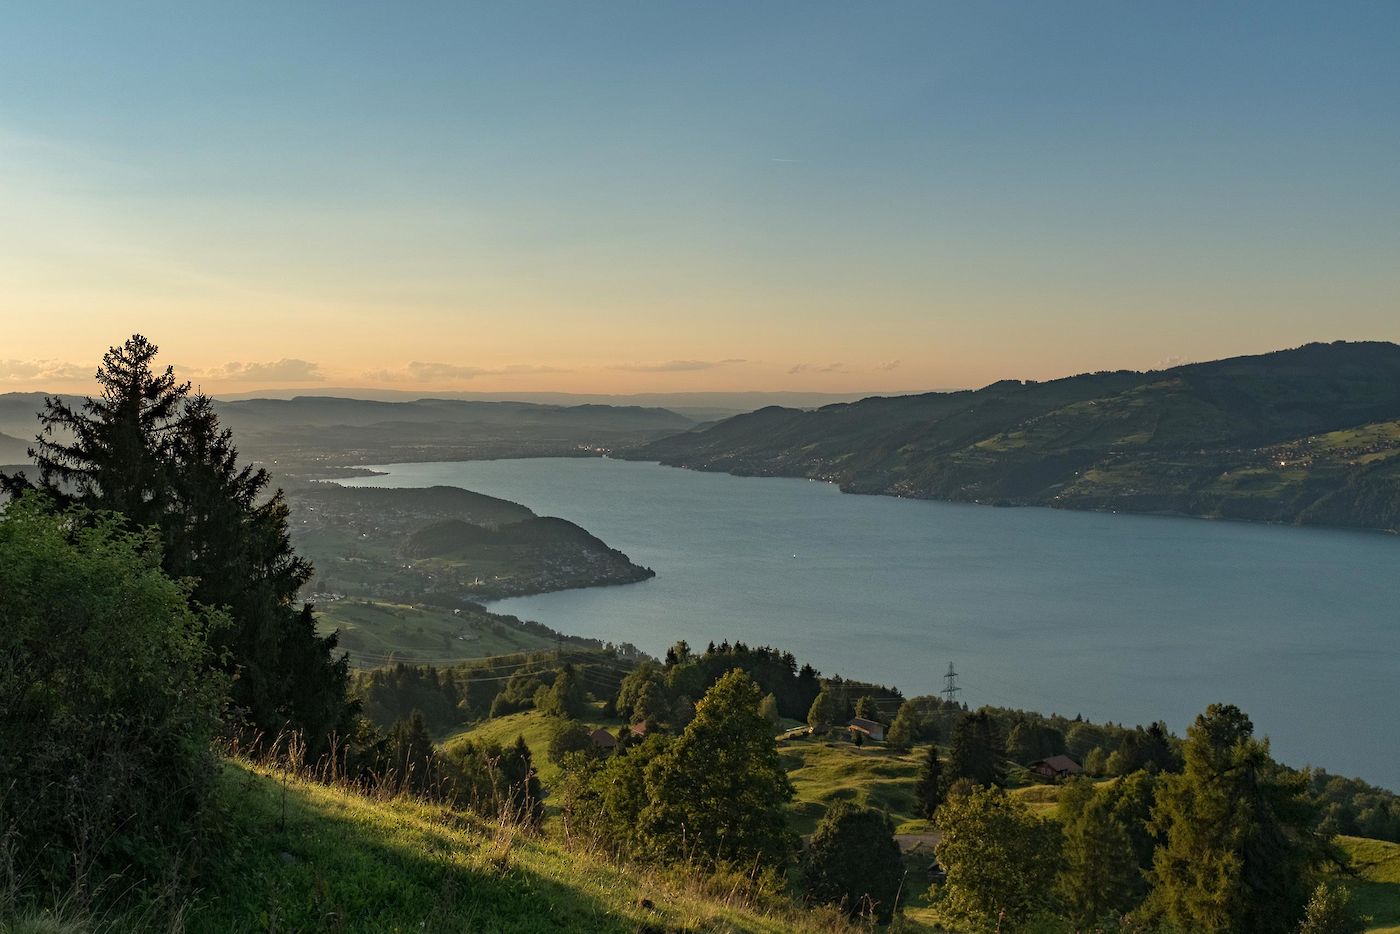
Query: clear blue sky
{"x": 658, "y": 195}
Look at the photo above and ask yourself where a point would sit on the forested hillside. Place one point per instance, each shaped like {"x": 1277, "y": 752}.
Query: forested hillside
{"x": 1310, "y": 435}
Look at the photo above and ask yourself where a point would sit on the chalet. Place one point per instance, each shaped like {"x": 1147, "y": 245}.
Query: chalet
{"x": 602, "y": 739}
{"x": 870, "y": 728}
{"x": 1056, "y": 768}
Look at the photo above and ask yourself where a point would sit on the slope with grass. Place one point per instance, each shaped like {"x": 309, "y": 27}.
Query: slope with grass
{"x": 1310, "y": 435}
{"x": 824, "y": 772}
{"x": 305, "y": 856}
{"x": 1375, "y": 866}
{"x": 536, "y": 728}
{"x": 379, "y": 633}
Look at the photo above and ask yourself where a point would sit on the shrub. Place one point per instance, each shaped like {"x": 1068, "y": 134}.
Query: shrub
{"x": 853, "y": 862}
{"x": 107, "y": 701}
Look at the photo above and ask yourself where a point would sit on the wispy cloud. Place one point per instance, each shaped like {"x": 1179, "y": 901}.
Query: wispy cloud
{"x": 817, "y": 368}
{"x": 38, "y": 371}
{"x": 888, "y": 365}
{"x": 289, "y": 370}
{"x": 676, "y": 366}
{"x": 421, "y": 372}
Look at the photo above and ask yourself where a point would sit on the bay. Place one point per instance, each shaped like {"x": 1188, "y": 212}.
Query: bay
{"x": 1116, "y": 617}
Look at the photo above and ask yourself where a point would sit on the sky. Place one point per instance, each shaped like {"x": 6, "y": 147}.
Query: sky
{"x": 657, "y": 196}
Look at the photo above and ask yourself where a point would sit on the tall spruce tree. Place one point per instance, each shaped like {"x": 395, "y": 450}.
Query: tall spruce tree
{"x": 146, "y": 449}
{"x": 930, "y": 789}
{"x": 977, "y": 750}
{"x": 112, "y": 452}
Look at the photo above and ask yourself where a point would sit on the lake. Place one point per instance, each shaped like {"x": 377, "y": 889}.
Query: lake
{"x": 1117, "y": 617}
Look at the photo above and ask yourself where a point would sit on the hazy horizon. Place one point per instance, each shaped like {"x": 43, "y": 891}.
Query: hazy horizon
{"x": 673, "y": 198}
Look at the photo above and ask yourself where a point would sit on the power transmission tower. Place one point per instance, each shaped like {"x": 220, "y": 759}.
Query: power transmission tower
{"x": 950, "y": 685}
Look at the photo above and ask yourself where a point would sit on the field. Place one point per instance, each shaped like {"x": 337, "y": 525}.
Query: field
{"x": 378, "y": 633}
{"x": 1377, "y": 885}
{"x": 537, "y": 729}
{"x": 824, "y": 772}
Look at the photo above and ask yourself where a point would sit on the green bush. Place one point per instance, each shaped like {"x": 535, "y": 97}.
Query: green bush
{"x": 853, "y": 862}
{"x": 107, "y": 702}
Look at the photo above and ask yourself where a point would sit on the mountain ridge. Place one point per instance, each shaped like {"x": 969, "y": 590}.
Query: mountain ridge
{"x": 1307, "y": 435}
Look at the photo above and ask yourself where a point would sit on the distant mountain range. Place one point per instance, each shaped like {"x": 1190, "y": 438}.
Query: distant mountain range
{"x": 1310, "y": 435}
{"x": 699, "y": 406}
{"x": 314, "y": 430}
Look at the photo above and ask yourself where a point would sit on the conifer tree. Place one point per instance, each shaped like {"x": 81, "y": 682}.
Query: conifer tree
{"x": 1099, "y": 874}
{"x": 1239, "y": 850}
{"x": 111, "y": 453}
{"x": 523, "y": 795}
{"x": 769, "y": 709}
{"x": 1329, "y": 911}
{"x": 146, "y": 449}
{"x": 977, "y": 750}
{"x": 930, "y": 789}
{"x": 413, "y": 754}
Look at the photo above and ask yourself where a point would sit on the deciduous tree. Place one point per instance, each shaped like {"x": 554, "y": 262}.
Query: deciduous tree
{"x": 718, "y": 793}
{"x": 853, "y": 862}
{"x": 901, "y": 733}
{"x": 1000, "y": 859}
{"x": 822, "y": 712}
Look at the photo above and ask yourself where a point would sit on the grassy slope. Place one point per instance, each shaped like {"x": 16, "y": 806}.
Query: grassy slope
{"x": 826, "y": 772}
{"x": 822, "y": 772}
{"x": 377, "y": 632}
{"x": 1377, "y": 889}
{"x": 537, "y": 730}
{"x": 341, "y": 861}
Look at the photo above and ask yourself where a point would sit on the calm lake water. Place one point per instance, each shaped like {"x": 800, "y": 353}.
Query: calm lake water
{"x": 1123, "y": 618}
